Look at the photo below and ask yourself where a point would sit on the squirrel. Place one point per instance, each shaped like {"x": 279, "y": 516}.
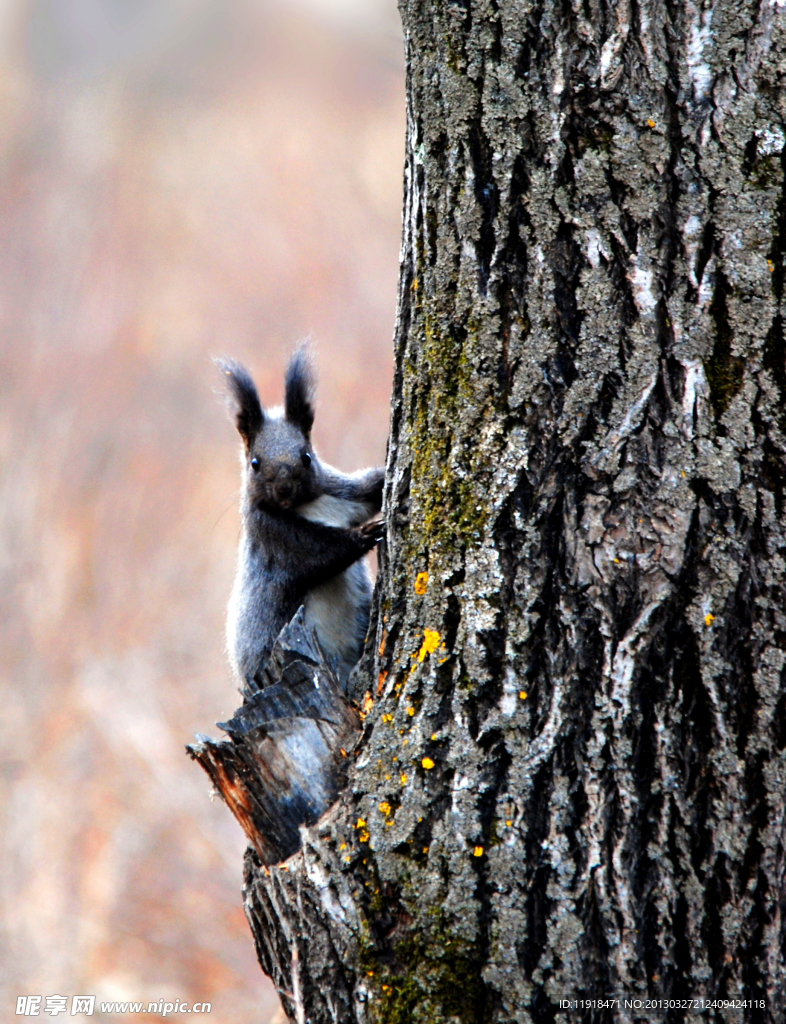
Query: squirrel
{"x": 305, "y": 530}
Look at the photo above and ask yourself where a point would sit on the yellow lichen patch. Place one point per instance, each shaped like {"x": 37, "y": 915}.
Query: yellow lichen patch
{"x": 709, "y": 619}
{"x": 387, "y": 718}
{"x": 650, "y": 122}
{"x": 523, "y": 694}
{"x": 403, "y": 778}
{"x": 360, "y": 824}
{"x": 363, "y": 836}
{"x": 425, "y": 849}
{"x": 427, "y": 763}
{"x": 410, "y": 712}
{"x": 381, "y": 682}
{"x": 385, "y": 807}
{"x": 478, "y": 851}
{"x": 382, "y": 642}
{"x": 508, "y": 823}
{"x": 420, "y": 582}
{"x": 430, "y": 643}
{"x": 368, "y": 703}
{"x": 433, "y": 735}
{"x": 771, "y": 266}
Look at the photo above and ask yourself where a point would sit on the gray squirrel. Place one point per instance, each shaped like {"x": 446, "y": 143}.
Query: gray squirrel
{"x": 305, "y": 530}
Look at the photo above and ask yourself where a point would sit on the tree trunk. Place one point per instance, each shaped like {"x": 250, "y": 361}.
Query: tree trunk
{"x": 570, "y": 784}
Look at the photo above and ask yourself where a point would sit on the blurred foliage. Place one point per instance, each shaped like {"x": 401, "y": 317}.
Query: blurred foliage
{"x": 177, "y": 181}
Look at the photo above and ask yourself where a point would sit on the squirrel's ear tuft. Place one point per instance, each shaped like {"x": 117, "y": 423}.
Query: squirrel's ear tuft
{"x": 249, "y": 416}
{"x": 300, "y": 385}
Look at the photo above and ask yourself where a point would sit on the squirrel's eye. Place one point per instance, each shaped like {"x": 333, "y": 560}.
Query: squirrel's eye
{"x": 255, "y": 464}
{"x": 305, "y": 458}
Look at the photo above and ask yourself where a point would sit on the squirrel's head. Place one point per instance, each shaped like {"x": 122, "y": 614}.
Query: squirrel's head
{"x": 280, "y": 467}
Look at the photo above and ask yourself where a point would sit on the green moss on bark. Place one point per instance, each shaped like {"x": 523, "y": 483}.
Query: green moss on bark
{"x": 444, "y": 486}
{"x": 439, "y": 980}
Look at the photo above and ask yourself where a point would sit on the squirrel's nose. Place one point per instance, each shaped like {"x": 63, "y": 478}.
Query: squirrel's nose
{"x": 284, "y": 484}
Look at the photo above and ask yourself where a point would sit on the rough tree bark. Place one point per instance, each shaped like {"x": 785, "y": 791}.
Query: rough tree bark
{"x": 570, "y": 784}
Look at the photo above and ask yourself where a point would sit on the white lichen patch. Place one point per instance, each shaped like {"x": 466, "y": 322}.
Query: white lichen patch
{"x": 559, "y": 76}
{"x": 707, "y": 286}
{"x": 593, "y": 248}
{"x": 643, "y": 293}
{"x": 633, "y": 414}
{"x": 645, "y": 32}
{"x": 692, "y": 227}
{"x": 769, "y": 140}
{"x": 696, "y": 388}
{"x": 691, "y": 237}
{"x": 700, "y": 37}
{"x": 510, "y": 693}
{"x": 611, "y": 52}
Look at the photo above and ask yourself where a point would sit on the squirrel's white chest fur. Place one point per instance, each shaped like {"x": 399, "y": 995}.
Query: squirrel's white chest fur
{"x": 338, "y": 610}
{"x": 332, "y": 511}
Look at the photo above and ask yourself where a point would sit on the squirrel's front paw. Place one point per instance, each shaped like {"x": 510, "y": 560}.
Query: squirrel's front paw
{"x": 373, "y": 531}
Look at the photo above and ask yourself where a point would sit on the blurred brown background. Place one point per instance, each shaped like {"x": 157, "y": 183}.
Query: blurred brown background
{"x": 180, "y": 178}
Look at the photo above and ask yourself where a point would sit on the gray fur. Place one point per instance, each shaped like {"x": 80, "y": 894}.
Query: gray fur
{"x": 305, "y": 531}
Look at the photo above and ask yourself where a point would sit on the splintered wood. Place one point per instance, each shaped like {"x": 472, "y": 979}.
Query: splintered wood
{"x": 284, "y": 762}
